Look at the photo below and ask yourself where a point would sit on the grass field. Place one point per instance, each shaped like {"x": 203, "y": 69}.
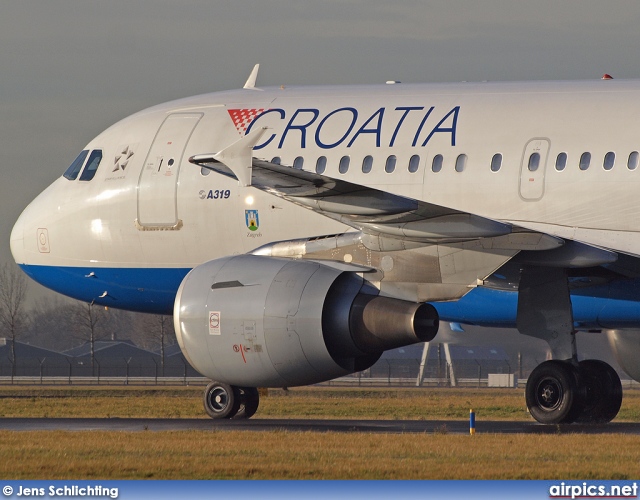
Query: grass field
{"x": 303, "y": 455}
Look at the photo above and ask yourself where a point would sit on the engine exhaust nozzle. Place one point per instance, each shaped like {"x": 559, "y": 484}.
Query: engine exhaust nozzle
{"x": 381, "y": 323}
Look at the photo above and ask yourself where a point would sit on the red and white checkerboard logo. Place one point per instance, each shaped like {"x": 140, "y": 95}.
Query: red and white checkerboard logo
{"x": 243, "y": 117}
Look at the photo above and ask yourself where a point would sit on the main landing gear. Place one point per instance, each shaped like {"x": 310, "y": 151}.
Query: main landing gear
{"x": 564, "y": 392}
{"x": 557, "y": 391}
{"x": 229, "y": 401}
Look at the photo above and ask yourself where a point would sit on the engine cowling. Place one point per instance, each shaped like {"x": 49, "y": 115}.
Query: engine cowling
{"x": 261, "y": 321}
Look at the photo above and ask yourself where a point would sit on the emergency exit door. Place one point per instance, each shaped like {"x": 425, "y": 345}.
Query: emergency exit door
{"x": 532, "y": 169}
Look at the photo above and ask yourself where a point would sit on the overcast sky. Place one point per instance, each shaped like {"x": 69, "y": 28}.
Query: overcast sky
{"x": 70, "y": 68}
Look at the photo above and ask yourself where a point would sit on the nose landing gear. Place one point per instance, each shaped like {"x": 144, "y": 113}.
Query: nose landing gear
{"x": 228, "y": 401}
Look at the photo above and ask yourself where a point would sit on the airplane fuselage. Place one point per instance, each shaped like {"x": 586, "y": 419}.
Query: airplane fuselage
{"x": 297, "y": 233}
{"x": 148, "y": 216}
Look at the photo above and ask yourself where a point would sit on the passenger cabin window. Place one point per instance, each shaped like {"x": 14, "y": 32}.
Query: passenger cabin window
{"x": 92, "y": 165}
{"x": 367, "y": 164}
{"x": 343, "y": 167}
{"x": 298, "y": 162}
{"x": 609, "y": 160}
{"x": 585, "y": 161}
{"x": 496, "y": 162}
{"x": 321, "y": 165}
{"x": 632, "y": 162}
{"x": 534, "y": 162}
{"x": 276, "y": 160}
{"x": 204, "y": 171}
{"x": 414, "y": 163}
{"x": 561, "y": 162}
{"x": 461, "y": 162}
{"x": 74, "y": 169}
{"x": 436, "y": 166}
{"x": 390, "y": 165}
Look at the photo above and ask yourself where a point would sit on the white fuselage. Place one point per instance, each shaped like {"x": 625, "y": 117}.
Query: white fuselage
{"x": 158, "y": 211}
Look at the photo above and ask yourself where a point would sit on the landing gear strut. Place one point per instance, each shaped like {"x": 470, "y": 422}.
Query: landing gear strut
{"x": 228, "y": 401}
{"x": 561, "y": 392}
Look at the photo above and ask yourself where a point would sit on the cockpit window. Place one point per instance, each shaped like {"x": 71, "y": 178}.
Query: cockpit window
{"x": 92, "y": 165}
{"x": 72, "y": 172}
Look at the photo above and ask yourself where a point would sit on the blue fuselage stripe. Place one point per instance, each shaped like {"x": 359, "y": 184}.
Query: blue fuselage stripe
{"x": 153, "y": 290}
{"x": 498, "y": 308}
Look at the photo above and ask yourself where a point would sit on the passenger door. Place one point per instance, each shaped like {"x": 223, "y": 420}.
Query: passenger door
{"x": 157, "y": 186}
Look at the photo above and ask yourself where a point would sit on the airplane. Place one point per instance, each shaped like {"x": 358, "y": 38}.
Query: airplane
{"x": 296, "y": 233}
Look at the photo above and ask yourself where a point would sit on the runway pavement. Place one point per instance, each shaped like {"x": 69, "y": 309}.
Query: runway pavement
{"x": 371, "y": 426}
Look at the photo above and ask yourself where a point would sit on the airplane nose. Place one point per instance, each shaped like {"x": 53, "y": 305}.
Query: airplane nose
{"x": 17, "y": 240}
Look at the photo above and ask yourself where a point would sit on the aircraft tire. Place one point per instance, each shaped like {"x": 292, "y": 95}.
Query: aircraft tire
{"x": 555, "y": 393}
{"x": 249, "y": 402}
{"x": 604, "y": 392}
{"x": 221, "y": 400}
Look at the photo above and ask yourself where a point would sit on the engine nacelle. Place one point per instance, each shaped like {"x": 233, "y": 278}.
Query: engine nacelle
{"x": 625, "y": 345}
{"x": 254, "y": 321}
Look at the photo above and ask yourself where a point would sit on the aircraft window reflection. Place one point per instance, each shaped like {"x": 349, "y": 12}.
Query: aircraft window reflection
{"x": 585, "y": 161}
{"x": 561, "y": 162}
{"x": 609, "y": 160}
{"x": 390, "y": 166}
{"x": 298, "y": 162}
{"x": 276, "y": 160}
{"x": 92, "y": 165}
{"x": 436, "y": 166}
{"x": 414, "y": 163}
{"x": 496, "y": 162}
{"x": 367, "y": 164}
{"x": 632, "y": 163}
{"x": 534, "y": 162}
{"x": 321, "y": 165}
{"x": 74, "y": 169}
{"x": 461, "y": 162}
{"x": 344, "y": 165}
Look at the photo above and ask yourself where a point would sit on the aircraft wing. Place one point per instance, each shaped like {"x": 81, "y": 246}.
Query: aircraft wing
{"x": 446, "y": 251}
{"x": 376, "y": 212}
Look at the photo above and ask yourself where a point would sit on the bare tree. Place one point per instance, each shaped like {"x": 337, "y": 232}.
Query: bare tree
{"x": 86, "y": 318}
{"x": 164, "y": 323}
{"x": 118, "y": 324}
{"x": 158, "y": 333}
{"x": 52, "y": 324}
{"x": 13, "y": 318}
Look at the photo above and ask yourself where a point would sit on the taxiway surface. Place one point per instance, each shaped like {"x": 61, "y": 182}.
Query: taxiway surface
{"x": 371, "y": 426}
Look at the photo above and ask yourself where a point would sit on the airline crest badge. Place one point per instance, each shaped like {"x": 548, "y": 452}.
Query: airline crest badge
{"x": 252, "y": 220}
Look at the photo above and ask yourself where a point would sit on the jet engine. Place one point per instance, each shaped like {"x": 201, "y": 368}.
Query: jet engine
{"x": 254, "y": 321}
